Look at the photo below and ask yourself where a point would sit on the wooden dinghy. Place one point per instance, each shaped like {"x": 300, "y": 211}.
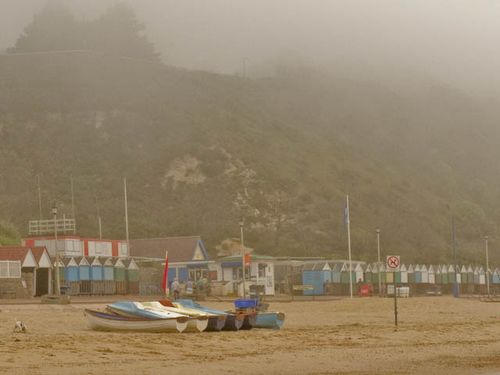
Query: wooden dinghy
{"x": 199, "y": 320}
{"x": 270, "y": 320}
{"x": 103, "y": 321}
{"x": 232, "y": 322}
{"x": 148, "y": 310}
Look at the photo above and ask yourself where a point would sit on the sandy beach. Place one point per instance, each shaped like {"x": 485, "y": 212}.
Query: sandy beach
{"x": 436, "y": 335}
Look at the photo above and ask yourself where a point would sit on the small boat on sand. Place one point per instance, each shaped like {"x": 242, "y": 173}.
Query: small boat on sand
{"x": 270, "y": 320}
{"x": 233, "y": 322}
{"x": 103, "y": 321}
{"x": 154, "y": 310}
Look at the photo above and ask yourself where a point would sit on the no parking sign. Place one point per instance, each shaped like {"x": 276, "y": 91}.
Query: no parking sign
{"x": 393, "y": 262}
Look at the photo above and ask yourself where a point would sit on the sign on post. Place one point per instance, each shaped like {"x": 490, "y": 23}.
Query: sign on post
{"x": 393, "y": 262}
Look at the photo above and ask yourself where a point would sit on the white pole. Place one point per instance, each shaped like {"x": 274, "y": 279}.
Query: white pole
{"x": 487, "y": 267}
{"x": 349, "y": 245}
{"x": 126, "y": 214}
{"x": 242, "y": 257}
{"x": 379, "y": 263}
{"x": 39, "y": 197}
{"x": 72, "y": 197}
{"x": 58, "y": 282}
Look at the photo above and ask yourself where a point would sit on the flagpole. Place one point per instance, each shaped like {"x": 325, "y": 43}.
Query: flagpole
{"x": 126, "y": 214}
{"x": 165, "y": 275}
{"x": 349, "y": 244}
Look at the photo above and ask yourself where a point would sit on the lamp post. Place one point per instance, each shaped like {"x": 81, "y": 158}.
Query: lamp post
{"x": 58, "y": 281}
{"x": 379, "y": 263}
{"x": 487, "y": 266}
{"x": 242, "y": 256}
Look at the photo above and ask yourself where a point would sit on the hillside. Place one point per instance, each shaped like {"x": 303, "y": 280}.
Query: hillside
{"x": 200, "y": 151}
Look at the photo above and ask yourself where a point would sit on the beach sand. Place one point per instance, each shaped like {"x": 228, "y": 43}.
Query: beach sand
{"x": 436, "y": 335}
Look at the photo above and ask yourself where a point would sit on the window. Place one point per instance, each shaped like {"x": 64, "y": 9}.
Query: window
{"x": 10, "y": 269}
{"x": 123, "y": 250}
{"x": 262, "y": 269}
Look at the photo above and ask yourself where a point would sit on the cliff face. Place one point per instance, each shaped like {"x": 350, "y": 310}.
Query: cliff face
{"x": 200, "y": 151}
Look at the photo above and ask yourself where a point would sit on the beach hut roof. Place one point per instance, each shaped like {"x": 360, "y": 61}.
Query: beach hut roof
{"x": 130, "y": 264}
{"x": 417, "y": 268}
{"x": 119, "y": 263}
{"x": 451, "y": 269}
{"x": 368, "y": 268}
{"x": 423, "y": 268}
{"x": 481, "y": 271}
{"x": 71, "y": 262}
{"x": 83, "y": 262}
{"x": 42, "y": 257}
{"x": 20, "y": 253}
{"x": 96, "y": 262}
{"x": 476, "y": 270}
{"x": 431, "y": 269}
{"x": 358, "y": 268}
{"x": 336, "y": 268}
{"x": 326, "y": 267}
{"x": 470, "y": 269}
{"x": 410, "y": 268}
{"x": 108, "y": 263}
{"x": 463, "y": 269}
{"x": 438, "y": 270}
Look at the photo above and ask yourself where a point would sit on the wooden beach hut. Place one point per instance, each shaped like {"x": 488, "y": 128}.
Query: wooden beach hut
{"x": 458, "y": 274}
{"x": 411, "y": 274}
{"x": 84, "y": 272}
{"x": 359, "y": 273}
{"x": 120, "y": 278}
{"x": 482, "y": 276}
{"x": 336, "y": 273}
{"x": 96, "y": 277}
{"x": 432, "y": 275}
{"x": 368, "y": 274}
{"x": 418, "y": 274}
{"x": 476, "y": 275}
{"x": 109, "y": 277}
{"x": 495, "y": 279}
{"x": 72, "y": 275}
{"x": 132, "y": 275}
{"x": 424, "y": 274}
{"x": 451, "y": 274}
{"x": 439, "y": 280}
{"x": 404, "y": 274}
{"x": 463, "y": 275}
{"x": 444, "y": 275}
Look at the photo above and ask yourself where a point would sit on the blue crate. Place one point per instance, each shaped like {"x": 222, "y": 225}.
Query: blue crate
{"x": 245, "y": 303}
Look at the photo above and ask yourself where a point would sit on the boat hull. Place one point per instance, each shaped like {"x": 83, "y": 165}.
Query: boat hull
{"x": 249, "y": 320}
{"x": 112, "y": 322}
{"x": 269, "y": 320}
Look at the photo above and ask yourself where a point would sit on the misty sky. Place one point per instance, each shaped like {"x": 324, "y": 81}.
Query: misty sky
{"x": 455, "y": 40}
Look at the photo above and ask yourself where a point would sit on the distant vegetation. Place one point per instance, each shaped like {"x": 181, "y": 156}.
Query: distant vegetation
{"x": 201, "y": 150}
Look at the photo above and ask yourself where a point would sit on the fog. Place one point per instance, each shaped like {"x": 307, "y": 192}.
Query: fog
{"x": 456, "y": 41}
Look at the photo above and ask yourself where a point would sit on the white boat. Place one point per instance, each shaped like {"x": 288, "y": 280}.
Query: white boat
{"x": 155, "y": 310}
{"x": 113, "y": 322}
{"x": 198, "y": 321}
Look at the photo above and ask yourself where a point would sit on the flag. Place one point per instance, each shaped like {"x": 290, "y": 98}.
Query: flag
{"x": 164, "y": 283}
{"x": 346, "y": 214}
{"x": 248, "y": 259}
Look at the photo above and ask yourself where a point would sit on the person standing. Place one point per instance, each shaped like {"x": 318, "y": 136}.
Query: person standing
{"x": 176, "y": 289}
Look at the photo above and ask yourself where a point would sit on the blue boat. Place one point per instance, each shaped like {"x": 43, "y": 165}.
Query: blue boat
{"x": 234, "y": 322}
{"x": 137, "y": 310}
{"x": 270, "y": 320}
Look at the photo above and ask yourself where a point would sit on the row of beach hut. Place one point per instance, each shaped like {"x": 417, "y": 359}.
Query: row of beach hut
{"x": 328, "y": 278}
{"x": 99, "y": 276}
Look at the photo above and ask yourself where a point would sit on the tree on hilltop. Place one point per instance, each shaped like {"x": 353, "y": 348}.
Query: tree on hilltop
{"x": 116, "y": 32}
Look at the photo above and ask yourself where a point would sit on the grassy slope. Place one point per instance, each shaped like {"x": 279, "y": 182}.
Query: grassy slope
{"x": 303, "y": 141}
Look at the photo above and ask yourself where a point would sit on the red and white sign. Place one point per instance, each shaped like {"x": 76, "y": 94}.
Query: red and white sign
{"x": 393, "y": 261}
